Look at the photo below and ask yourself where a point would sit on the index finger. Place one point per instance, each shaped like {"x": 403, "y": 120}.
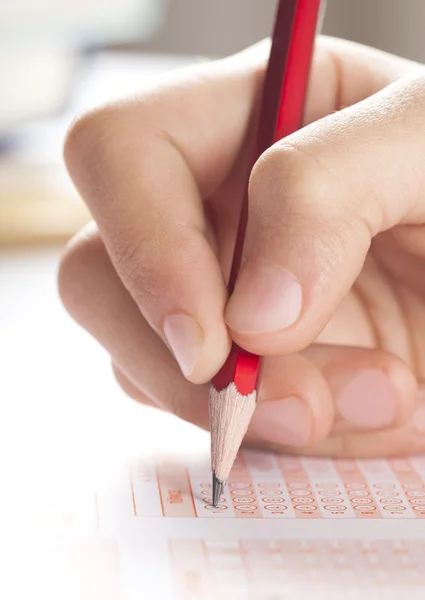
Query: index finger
{"x": 144, "y": 167}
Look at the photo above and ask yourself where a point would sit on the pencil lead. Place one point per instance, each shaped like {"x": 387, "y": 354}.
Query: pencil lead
{"x": 217, "y": 488}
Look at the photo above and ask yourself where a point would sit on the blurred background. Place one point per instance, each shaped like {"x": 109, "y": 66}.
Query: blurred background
{"x": 58, "y": 57}
{"x": 63, "y": 420}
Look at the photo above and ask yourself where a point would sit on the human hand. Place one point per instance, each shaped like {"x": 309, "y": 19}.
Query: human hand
{"x": 331, "y": 291}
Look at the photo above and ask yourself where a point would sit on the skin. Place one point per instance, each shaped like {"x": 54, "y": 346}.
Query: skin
{"x": 337, "y": 208}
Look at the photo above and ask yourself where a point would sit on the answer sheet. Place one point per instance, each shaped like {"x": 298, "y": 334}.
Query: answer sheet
{"x": 285, "y": 528}
{"x": 104, "y": 499}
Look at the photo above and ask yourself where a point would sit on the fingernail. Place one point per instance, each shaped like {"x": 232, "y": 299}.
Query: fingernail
{"x": 286, "y": 422}
{"x": 266, "y": 298}
{"x": 184, "y": 336}
{"x": 368, "y": 400}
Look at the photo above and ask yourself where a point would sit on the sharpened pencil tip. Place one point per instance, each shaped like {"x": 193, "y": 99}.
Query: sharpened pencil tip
{"x": 217, "y": 488}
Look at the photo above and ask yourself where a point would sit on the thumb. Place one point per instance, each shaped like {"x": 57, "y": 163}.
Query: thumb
{"x": 316, "y": 201}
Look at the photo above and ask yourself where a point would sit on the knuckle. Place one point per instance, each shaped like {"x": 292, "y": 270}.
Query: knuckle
{"x": 282, "y": 168}
{"x": 77, "y": 269}
{"x": 89, "y": 141}
{"x": 295, "y": 183}
{"x": 303, "y": 197}
{"x": 105, "y": 148}
{"x": 81, "y": 136}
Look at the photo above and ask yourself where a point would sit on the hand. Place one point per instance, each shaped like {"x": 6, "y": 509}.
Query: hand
{"x": 332, "y": 290}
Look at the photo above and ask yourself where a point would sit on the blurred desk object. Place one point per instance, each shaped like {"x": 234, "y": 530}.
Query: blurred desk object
{"x": 38, "y": 203}
{"x": 41, "y": 40}
{"x": 31, "y": 89}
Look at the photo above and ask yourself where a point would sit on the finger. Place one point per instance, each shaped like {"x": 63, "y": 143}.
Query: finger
{"x": 129, "y": 388}
{"x": 372, "y": 389}
{"x": 344, "y": 73}
{"x": 317, "y": 200}
{"x": 328, "y": 392}
{"x": 405, "y": 440}
{"x": 301, "y": 397}
{"x": 96, "y": 298}
{"x": 143, "y": 168}
{"x": 295, "y": 405}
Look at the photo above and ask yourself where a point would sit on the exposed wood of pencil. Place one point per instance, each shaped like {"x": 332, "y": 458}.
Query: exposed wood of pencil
{"x": 228, "y": 407}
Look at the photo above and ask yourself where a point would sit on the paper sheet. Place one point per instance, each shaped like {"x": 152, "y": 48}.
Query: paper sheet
{"x": 285, "y": 528}
{"x": 103, "y": 499}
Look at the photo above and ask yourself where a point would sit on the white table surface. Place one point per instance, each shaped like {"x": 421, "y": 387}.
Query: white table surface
{"x": 64, "y": 424}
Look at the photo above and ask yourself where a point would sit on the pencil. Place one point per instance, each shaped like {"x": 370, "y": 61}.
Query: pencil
{"x": 233, "y": 392}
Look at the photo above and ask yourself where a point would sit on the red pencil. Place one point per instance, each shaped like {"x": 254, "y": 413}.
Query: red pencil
{"x": 234, "y": 390}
